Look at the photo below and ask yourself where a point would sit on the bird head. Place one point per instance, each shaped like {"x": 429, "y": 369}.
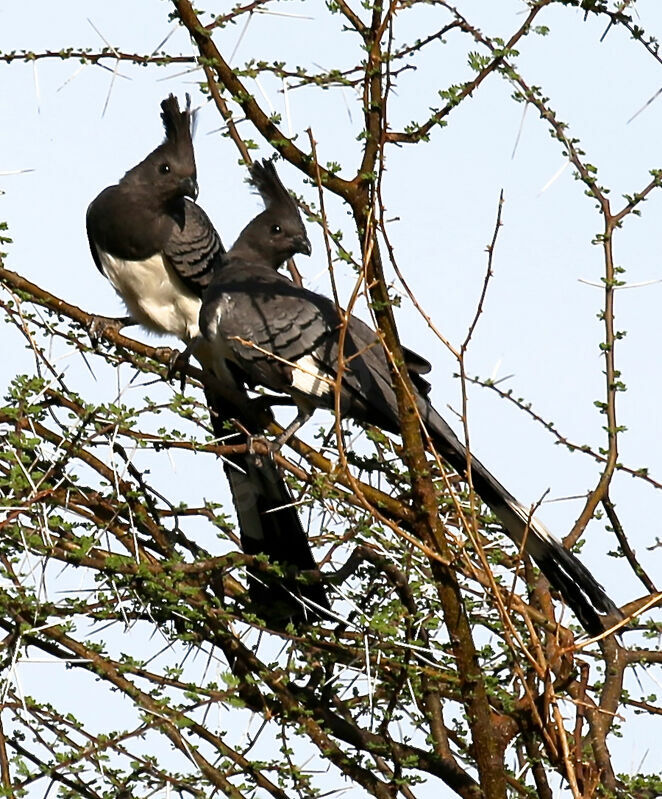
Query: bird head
{"x": 278, "y": 232}
{"x": 169, "y": 171}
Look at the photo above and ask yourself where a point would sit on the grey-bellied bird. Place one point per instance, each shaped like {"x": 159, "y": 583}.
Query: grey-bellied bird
{"x": 287, "y": 338}
{"x": 159, "y": 250}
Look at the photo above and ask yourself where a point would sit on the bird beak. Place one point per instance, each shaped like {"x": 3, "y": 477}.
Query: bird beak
{"x": 189, "y": 187}
{"x": 302, "y": 245}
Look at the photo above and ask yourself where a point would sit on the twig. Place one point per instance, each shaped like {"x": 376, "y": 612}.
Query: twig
{"x": 637, "y": 568}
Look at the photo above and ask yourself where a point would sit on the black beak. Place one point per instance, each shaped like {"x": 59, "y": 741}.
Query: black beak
{"x": 189, "y": 187}
{"x": 302, "y": 245}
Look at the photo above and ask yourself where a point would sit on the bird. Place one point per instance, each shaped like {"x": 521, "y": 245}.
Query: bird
{"x": 159, "y": 249}
{"x": 287, "y": 338}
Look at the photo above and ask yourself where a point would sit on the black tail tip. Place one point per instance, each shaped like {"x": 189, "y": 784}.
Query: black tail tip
{"x": 585, "y": 596}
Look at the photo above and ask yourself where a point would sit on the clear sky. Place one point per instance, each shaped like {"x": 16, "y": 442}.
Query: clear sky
{"x": 79, "y": 129}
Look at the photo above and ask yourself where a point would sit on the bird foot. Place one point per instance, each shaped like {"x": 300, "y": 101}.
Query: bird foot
{"x": 177, "y": 362}
{"x": 272, "y": 447}
{"x": 100, "y": 325}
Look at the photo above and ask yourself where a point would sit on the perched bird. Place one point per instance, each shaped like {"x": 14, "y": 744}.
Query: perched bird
{"x": 286, "y": 338}
{"x": 159, "y": 251}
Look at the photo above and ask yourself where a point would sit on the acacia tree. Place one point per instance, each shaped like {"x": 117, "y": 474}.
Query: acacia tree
{"x": 446, "y": 666}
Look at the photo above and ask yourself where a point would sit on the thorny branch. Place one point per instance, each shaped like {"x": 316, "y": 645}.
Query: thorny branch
{"x": 385, "y": 660}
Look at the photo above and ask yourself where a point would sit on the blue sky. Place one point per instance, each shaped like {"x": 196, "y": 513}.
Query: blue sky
{"x": 539, "y": 328}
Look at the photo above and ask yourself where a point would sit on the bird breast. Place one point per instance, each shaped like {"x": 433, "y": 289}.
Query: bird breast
{"x": 154, "y": 295}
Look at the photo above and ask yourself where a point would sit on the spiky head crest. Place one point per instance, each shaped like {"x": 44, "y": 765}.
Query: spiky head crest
{"x": 168, "y": 172}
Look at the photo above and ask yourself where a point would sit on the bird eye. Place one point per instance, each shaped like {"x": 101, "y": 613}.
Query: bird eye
{"x": 275, "y": 229}
{"x": 164, "y": 169}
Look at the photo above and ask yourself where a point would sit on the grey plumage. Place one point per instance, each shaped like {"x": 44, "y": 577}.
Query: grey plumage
{"x": 194, "y": 249}
{"x": 159, "y": 250}
{"x": 287, "y": 338}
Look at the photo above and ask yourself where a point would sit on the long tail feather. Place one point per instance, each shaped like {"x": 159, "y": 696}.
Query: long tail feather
{"x": 270, "y": 525}
{"x": 565, "y": 572}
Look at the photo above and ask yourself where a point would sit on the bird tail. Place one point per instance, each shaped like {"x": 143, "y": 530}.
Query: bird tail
{"x": 270, "y": 525}
{"x": 565, "y": 572}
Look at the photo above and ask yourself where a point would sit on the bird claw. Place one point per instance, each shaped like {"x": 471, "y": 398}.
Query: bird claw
{"x": 258, "y": 447}
{"x": 177, "y": 362}
{"x": 272, "y": 446}
{"x": 101, "y": 325}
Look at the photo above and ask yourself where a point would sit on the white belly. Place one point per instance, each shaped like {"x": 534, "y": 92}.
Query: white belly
{"x": 154, "y": 295}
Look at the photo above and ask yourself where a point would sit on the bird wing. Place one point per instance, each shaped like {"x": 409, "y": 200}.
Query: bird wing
{"x": 287, "y": 338}
{"x": 194, "y": 249}
{"x": 264, "y": 322}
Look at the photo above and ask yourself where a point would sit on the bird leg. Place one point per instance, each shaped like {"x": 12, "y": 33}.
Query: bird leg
{"x": 303, "y": 414}
{"x": 274, "y": 446}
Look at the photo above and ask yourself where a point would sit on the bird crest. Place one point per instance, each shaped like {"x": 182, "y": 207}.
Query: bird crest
{"x": 265, "y": 179}
{"x": 179, "y": 125}
{"x": 278, "y": 232}
{"x": 168, "y": 173}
